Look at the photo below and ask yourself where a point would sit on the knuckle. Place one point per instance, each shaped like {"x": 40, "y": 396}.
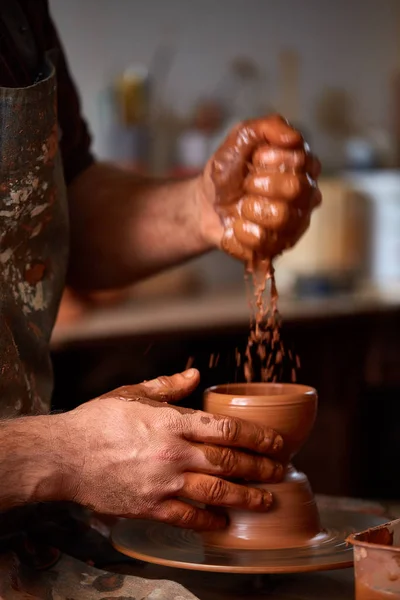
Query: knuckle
{"x": 299, "y": 158}
{"x": 164, "y": 381}
{"x": 246, "y": 133}
{"x": 188, "y": 517}
{"x": 166, "y": 387}
{"x": 258, "y": 437}
{"x": 227, "y": 461}
{"x": 230, "y": 429}
{"x": 247, "y": 497}
{"x": 294, "y": 186}
{"x": 240, "y": 126}
{"x": 280, "y": 214}
{"x": 170, "y": 455}
{"x": 217, "y": 490}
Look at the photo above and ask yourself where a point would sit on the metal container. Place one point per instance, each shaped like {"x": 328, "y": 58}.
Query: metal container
{"x": 377, "y": 562}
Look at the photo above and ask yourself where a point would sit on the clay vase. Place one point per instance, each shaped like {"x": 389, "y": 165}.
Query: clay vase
{"x": 293, "y": 520}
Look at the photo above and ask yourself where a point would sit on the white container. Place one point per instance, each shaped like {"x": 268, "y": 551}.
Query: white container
{"x": 335, "y": 244}
{"x": 383, "y": 190}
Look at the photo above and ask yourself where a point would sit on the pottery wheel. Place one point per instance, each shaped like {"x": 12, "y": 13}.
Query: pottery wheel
{"x": 184, "y": 549}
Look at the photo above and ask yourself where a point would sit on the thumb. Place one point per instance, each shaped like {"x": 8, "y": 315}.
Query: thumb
{"x": 171, "y": 388}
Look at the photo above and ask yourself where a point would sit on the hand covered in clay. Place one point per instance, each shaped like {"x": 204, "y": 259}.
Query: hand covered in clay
{"x": 259, "y": 190}
{"x": 134, "y": 455}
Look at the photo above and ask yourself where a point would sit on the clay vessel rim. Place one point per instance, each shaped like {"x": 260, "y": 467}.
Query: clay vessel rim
{"x": 292, "y": 393}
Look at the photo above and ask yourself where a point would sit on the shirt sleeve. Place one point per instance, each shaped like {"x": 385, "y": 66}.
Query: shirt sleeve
{"x": 75, "y": 142}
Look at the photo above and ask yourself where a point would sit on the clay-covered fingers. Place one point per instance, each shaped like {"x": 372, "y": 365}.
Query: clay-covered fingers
{"x": 222, "y": 430}
{"x": 234, "y": 464}
{"x": 291, "y": 187}
{"x": 249, "y": 234}
{"x": 232, "y": 246}
{"x": 211, "y": 491}
{"x": 187, "y": 516}
{"x": 268, "y": 214}
{"x": 268, "y": 157}
{"x": 229, "y": 163}
{"x": 273, "y": 130}
{"x": 219, "y": 492}
{"x": 164, "y": 389}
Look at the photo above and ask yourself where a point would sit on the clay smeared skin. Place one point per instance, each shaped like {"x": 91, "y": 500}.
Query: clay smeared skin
{"x": 265, "y": 182}
{"x": 265, "y": 185}
{"x": 141, "y": 457}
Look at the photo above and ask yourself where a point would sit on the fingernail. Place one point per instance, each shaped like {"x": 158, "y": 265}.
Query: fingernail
{"x": 267, "y": 499}
{"x": 189, "y": 374}
{"x": 278, "y": 444}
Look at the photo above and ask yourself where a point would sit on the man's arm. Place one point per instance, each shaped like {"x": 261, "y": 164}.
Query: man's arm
{"x": 125, "y": 227}
{"x": 29, "y": 465}
{"x": 64, "y": 457}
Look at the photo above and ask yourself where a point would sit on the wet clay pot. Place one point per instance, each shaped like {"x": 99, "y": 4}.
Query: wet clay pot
{"x": 293, "y": 519}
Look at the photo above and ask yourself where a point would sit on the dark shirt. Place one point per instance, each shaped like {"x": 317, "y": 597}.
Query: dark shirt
{"x": 14, "y": 72}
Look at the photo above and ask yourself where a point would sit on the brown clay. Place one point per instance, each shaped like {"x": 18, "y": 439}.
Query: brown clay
{"x": 265, "y": 349}
{"x": 265, "y": 179}
{"x": 293, "y": 520}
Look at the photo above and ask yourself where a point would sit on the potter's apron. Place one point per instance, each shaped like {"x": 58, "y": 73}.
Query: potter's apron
{"x": 33, "y": 260}
{"x": 33, "y": 251}
{"x": 33, "y": 243}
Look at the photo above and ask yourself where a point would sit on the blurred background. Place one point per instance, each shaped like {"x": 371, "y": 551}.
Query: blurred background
{"x": 161, "y": 83}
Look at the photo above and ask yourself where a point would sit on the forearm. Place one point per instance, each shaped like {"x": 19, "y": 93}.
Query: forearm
{"x": 124, "y": 227}
{"x": 31, "y": 469}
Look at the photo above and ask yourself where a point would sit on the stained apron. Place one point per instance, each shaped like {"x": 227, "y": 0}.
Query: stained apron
{"x": 34, "y": 233}
{"x": 33, "y": 243}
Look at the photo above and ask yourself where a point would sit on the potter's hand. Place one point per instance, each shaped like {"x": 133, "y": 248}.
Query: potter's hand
{"x": 136, "y": 456}
{"x": 259, "y": 189}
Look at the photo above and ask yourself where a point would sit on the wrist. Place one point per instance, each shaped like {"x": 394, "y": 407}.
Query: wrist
{"x": 44, "y": 448}
{"x": 35, "y": 465}
{"x": 27, "y": 466}
{"x": 67, "y": 460}
{"x": 208, "y": 221}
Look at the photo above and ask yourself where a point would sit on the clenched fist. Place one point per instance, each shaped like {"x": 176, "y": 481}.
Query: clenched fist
{"x": 132, "y": 454}
{"x": 259, "y": 190}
